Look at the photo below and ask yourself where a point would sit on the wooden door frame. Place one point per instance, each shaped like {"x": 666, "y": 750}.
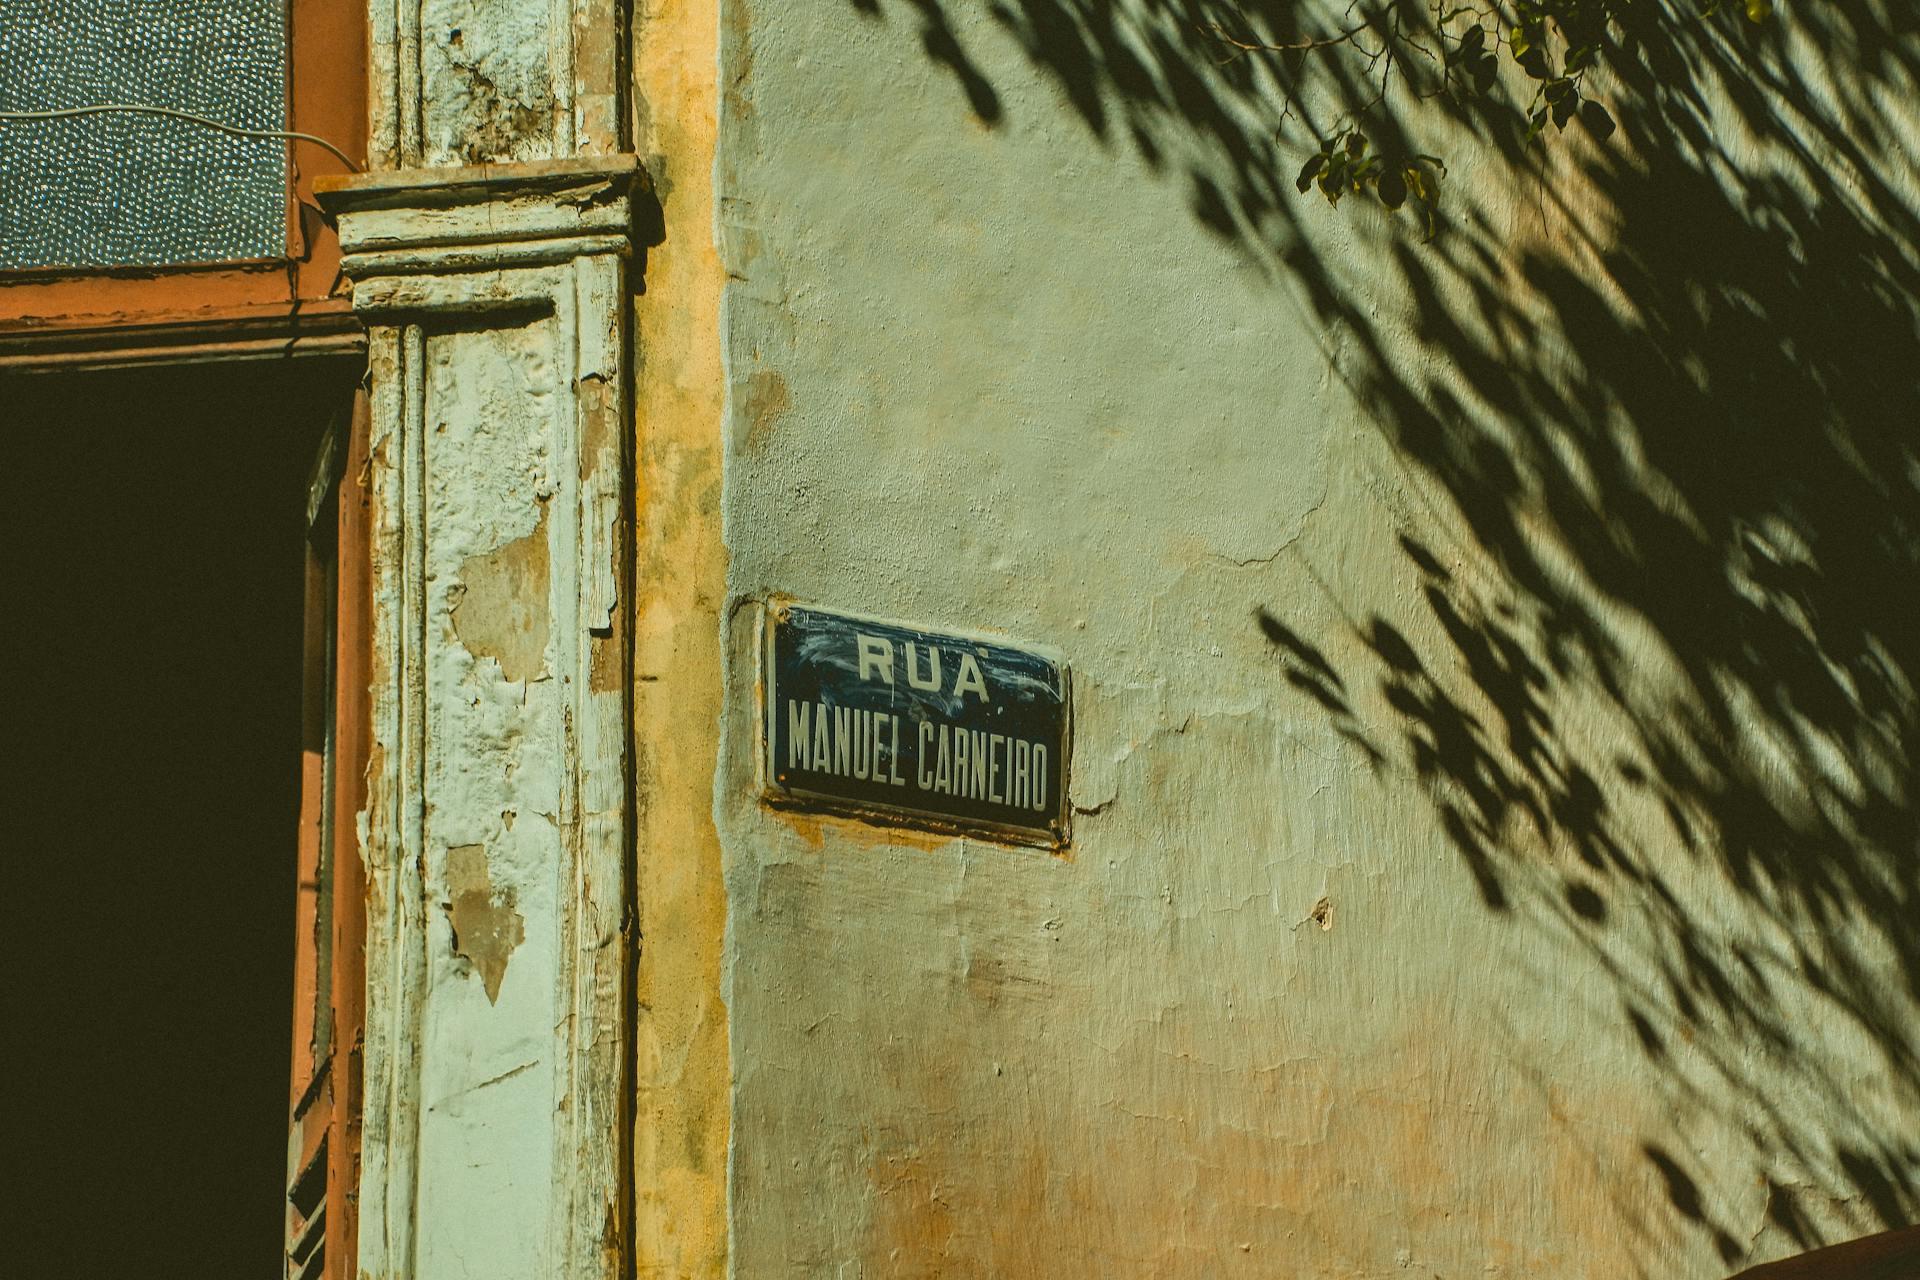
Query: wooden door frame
{"x": 324, "y": 1106}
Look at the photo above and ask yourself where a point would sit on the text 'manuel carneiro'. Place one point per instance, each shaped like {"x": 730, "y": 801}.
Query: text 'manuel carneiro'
{"x": 953, "y": 730}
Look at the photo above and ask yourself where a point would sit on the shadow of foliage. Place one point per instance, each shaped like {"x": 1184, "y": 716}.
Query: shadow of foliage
{"x": 1664, "y": 394}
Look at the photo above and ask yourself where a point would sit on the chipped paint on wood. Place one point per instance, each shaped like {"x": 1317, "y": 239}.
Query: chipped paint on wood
{"x": 463, "y": 82}
{"x": 500, "y": 606}
{"x": 486, "y": 926}
{"x": 496, "y": 828}
{"x": 487, "y": 89}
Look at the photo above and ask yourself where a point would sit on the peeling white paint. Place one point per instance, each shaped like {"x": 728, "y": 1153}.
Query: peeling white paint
{"x": 496, "y": 836}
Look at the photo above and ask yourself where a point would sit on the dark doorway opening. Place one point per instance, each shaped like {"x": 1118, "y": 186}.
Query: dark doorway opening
{"x": 153, "y": 527}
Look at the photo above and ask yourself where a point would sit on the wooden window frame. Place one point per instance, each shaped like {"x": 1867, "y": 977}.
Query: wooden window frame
{"x": 295, "y": 304}
{"x": 329, "y": 999}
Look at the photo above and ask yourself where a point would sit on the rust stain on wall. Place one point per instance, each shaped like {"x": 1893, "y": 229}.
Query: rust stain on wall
{"x": 766, "y": 401}
{"x": 486, "y": 925}
{"x": 502, "y": 611}
{"x": 813, "y": 828}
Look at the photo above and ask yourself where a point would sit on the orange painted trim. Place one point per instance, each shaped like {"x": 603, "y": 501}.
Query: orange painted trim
{"x": 325, "y": 327}
{"x": 44, "y": 301}
{"x": 353, "y": 744}
{"x": 308, "y": 861}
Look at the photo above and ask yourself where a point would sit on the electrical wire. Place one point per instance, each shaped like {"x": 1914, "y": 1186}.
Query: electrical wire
{"x": 175, "y": 114}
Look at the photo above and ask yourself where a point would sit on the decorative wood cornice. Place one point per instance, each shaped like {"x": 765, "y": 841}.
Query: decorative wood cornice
{"x": 454, "y": 221}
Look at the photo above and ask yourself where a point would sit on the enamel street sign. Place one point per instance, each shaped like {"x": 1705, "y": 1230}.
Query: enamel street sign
{"x": 927, "y": 727}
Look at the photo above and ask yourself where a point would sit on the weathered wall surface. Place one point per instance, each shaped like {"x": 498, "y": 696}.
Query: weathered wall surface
{"x": 680, "y": 1028}
{"x": 1473, "y": 872}
{"x": 492, "y": 832}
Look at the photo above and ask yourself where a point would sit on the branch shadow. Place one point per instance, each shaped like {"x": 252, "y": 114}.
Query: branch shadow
{"x": 1662, "y": 695}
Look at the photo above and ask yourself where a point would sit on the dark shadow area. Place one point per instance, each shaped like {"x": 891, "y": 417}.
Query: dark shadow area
{"x": 152, "y": 525}
{"x": 1663, "y": 395}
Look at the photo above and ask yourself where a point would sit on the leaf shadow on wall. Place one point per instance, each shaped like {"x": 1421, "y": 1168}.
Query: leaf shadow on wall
{"x": 1664, "y": 402}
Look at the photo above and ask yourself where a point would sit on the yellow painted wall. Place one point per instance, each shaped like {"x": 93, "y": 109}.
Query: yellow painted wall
{"x": 680, "y": 1121}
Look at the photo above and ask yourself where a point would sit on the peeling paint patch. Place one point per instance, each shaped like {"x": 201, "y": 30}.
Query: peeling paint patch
{"x": 502, "y": 611}
{"x": 489, "y": 92}
{"x": 486, "y": 925}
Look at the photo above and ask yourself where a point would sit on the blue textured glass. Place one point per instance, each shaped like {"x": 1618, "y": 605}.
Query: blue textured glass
{"x": 139, "y": 190}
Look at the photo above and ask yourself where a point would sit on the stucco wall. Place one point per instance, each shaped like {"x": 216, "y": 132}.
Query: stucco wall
{"x": 1443, "y": 899}
{"x": 680, "y": 1021}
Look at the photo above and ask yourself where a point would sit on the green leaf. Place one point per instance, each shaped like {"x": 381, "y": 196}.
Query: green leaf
{"x": 1312, "y": 169}
{"x": 1392, "y": 188}
{"x": 1599, "y": 123}
{"x": 1484, "y": 71}
{"x": 1333, "y": 183}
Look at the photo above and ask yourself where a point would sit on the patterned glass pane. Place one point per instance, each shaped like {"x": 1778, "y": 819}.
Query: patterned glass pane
{"x": 141, "y": 190}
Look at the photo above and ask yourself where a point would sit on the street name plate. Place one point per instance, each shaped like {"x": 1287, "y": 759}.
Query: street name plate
{"x": 927, "y": 727}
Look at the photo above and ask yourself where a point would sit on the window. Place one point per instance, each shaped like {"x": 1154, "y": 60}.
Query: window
{"x": 166, "y": 794}
{"x": 117, "y": 189}
{"x": 151, "y": 239}
{"x": 130, "y": 238}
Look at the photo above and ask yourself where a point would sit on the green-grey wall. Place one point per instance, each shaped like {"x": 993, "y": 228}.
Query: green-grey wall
{"x": 1492, "y": 847}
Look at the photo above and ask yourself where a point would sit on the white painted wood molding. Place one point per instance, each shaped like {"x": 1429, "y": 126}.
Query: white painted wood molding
{"x": 498, "y": 828}
{"x": 458, "y": 82}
